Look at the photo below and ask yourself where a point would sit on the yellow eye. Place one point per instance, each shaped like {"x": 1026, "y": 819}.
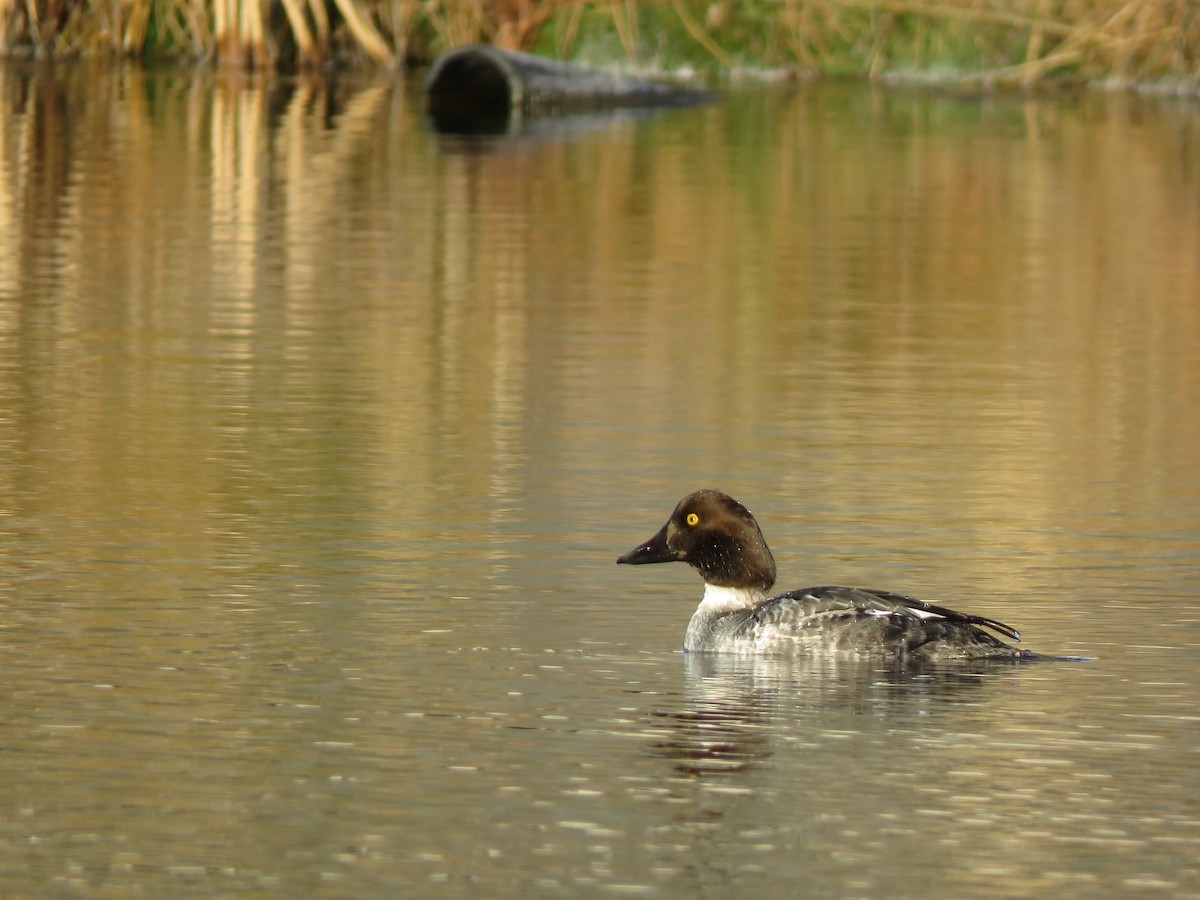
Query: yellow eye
{"x": 693, "y": 519}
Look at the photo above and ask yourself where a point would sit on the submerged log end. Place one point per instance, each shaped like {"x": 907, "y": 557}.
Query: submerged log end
{"x": 479, "y": 76}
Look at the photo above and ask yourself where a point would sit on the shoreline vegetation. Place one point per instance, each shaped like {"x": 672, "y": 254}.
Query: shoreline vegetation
{"x": 1153, "y": 44}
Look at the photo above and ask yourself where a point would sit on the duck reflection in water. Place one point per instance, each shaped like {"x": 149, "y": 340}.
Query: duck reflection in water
{"x": 738, "y": 709}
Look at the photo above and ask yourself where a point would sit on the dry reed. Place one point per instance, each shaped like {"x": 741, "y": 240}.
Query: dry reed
{"x": 1021, "y": 42}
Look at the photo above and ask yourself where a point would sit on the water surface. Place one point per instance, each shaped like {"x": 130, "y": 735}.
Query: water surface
{"x": 320, "y": 433}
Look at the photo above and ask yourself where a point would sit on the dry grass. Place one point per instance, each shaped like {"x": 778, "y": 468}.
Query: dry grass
{"x": 1001, "y": 41}
{"x": 1023, "y": 42}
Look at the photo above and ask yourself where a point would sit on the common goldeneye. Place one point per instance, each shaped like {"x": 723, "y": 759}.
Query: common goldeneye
{"x": 718, "y": 537}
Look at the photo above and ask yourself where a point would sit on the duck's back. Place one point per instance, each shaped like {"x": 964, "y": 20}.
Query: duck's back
{"x": 854, "y": 620}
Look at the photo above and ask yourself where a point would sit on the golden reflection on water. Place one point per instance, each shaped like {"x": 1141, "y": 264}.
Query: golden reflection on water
{"x": 977, "y": 299}
{"x": 318, "y": 430}
{"x": 911, "y": 252}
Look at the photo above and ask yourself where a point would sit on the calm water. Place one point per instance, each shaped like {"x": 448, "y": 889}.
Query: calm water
{"x": 320, "y": 434}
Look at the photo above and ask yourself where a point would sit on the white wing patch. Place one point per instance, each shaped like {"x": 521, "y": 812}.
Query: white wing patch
{"x": 925, "y": 614}
{"x": 919, "y": 613}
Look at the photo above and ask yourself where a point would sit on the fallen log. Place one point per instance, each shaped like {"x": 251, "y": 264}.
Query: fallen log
{"x": 485, "y": 85}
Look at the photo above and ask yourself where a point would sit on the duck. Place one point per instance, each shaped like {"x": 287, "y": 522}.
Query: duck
{"x": 720, "y": 538}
